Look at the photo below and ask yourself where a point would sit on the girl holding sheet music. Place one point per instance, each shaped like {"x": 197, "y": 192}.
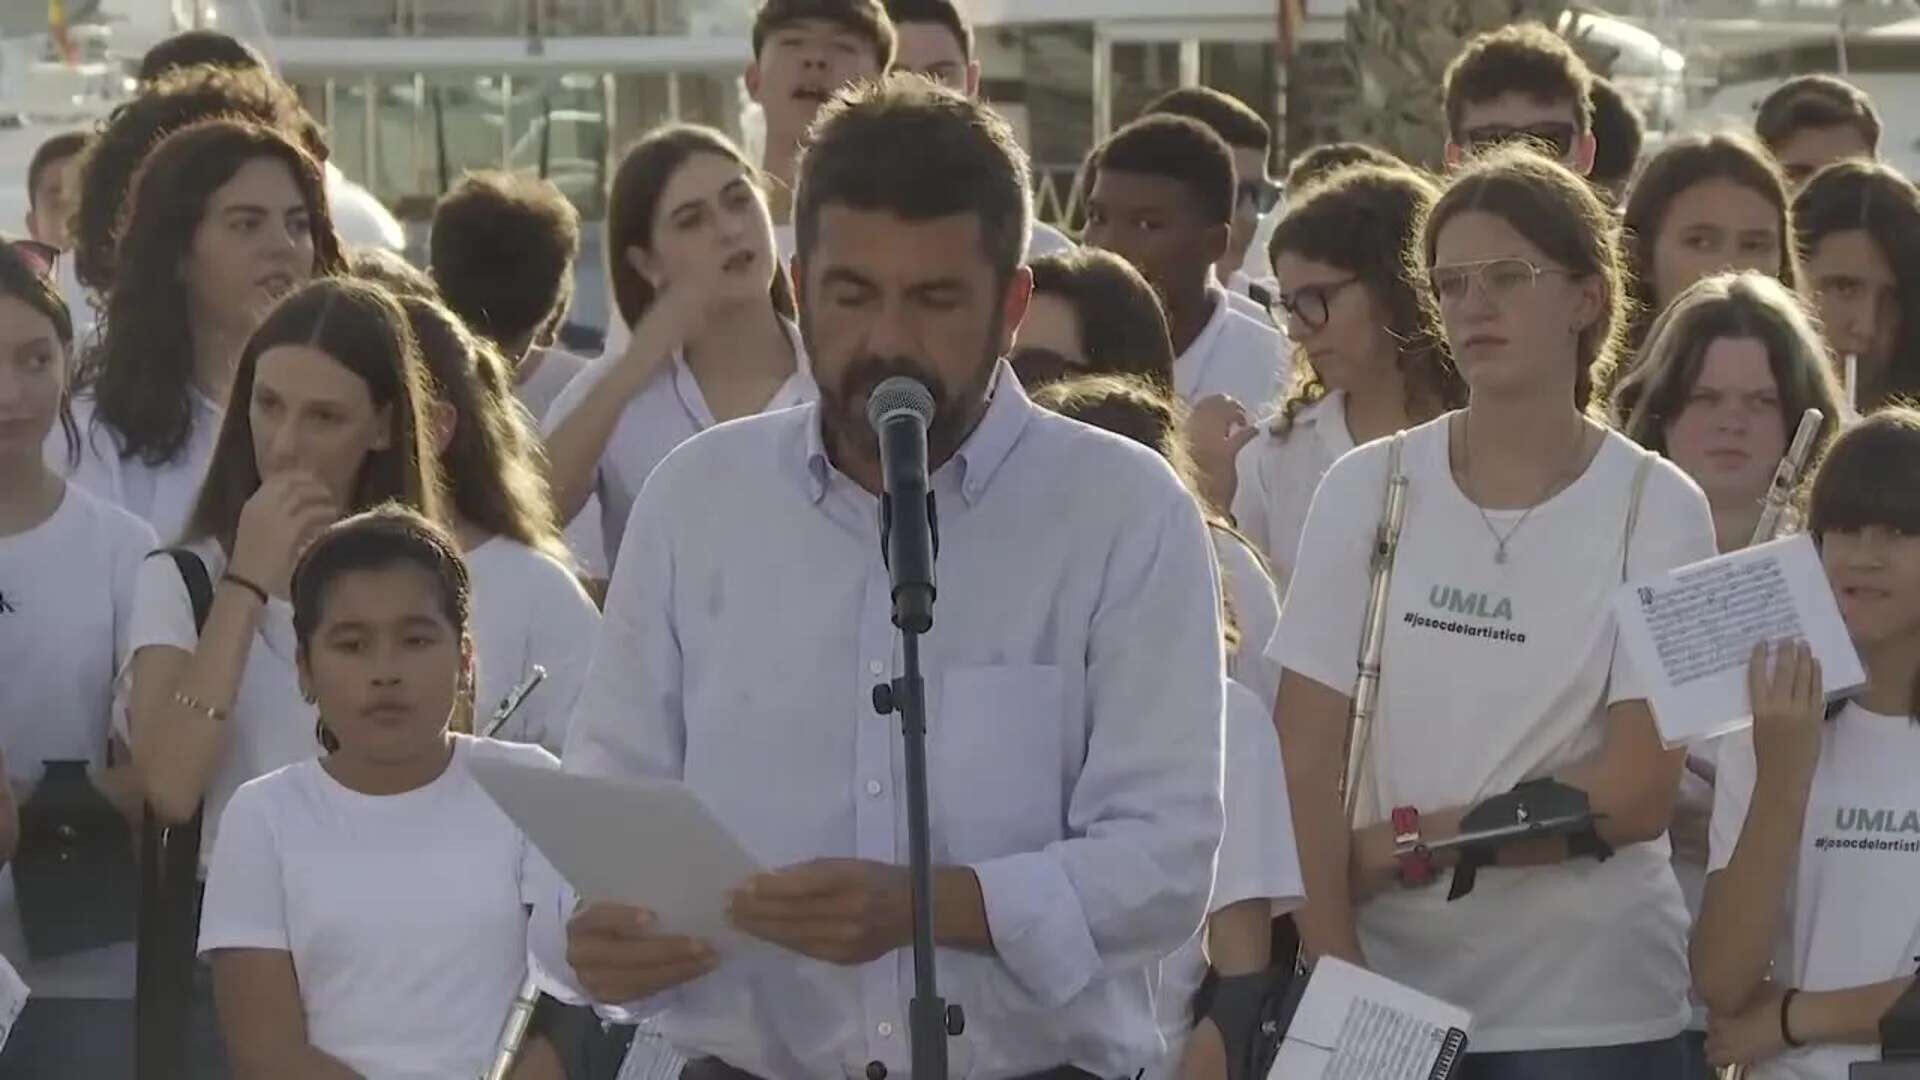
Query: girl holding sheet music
{"x": 1812, "y": 913}
{"x": 366, "y": 912}
{"x": 1500, "y": 663}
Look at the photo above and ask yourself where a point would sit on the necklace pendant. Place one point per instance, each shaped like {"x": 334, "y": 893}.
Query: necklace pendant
{"x": 1500, "y": 554}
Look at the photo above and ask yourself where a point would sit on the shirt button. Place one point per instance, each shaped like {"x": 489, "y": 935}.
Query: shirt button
{"x": 875, "y": 667}
{"x": 874, "y": 788}
{"x": 886, "y": 1030}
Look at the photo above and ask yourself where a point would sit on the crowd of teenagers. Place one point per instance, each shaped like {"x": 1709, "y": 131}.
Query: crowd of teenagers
{"x": 293, "y": 532}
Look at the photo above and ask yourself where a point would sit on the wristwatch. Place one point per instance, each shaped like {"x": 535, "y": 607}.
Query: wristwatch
{"x": 1416, "y": 862}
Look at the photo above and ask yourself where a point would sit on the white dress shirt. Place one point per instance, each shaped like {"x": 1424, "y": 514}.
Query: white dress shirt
{"x": 1234, "y": 355}
{"x": 1075, "y": 697}
{"x": 666, "y": 412}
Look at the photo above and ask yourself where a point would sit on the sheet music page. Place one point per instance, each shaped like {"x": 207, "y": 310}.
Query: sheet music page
{"x": 1691, "y": 631}
{"x": 1355, "y": 1025}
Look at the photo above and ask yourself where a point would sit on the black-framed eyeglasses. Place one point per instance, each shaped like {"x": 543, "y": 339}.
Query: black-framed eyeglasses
{"x": 1499, "y": 279}
{"x": 1311, "y": 304}
{"x": 41, "y": 259}
{"x": 1264, "y": 195}
{"x": 1555, "y": 137}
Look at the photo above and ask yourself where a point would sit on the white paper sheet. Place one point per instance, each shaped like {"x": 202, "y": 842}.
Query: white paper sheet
{"x": 1690, "y": 633}
{"x": 13, "y": 998}
{"x": 1355, "y": 1025}
{"x": 651, "y": 844}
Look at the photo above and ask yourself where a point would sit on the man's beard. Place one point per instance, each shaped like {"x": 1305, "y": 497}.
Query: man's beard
{"x": 843, "y": 404}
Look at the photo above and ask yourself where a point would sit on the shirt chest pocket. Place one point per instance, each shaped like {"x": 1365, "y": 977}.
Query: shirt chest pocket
{"x": 996, "y": 760}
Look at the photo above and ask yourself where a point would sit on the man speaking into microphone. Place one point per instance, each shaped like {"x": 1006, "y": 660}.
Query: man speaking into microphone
{"x": 1073, "y": 667}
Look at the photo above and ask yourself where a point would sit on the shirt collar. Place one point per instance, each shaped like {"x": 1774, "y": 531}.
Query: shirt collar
{"x": 971, "y": 469}
{"x": 694, "y": 403}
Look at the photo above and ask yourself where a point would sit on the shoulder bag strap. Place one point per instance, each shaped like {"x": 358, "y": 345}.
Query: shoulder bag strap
{"x": 169, "y": 916}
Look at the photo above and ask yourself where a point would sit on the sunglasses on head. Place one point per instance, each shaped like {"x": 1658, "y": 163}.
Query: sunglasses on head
{"x": 1556, "y": 136}
{"x": 40, "y": 258}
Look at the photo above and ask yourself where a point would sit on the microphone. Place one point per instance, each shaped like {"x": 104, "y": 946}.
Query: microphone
{"x": 900, "y": 410}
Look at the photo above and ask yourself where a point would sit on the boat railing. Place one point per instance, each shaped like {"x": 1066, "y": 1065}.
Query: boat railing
{"x": 504, "y": 18}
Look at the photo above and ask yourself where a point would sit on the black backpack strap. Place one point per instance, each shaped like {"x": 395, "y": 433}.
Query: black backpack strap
{"x": 169, "y": 902}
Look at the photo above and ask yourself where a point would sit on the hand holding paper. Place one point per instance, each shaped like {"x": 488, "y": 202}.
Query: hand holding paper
{"x": 1784, "y": 685}
{"x": 843, "y": 911}
{"x": 1690, "y": 633}
{"x": 618, "y": 957}
{"x": 640, "y": 844}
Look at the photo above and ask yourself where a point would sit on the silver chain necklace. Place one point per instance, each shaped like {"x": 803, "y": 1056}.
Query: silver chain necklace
{"x": 1500, "y": 540}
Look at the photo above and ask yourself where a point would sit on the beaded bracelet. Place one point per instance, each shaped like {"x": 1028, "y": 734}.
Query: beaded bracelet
{"x": 212, "y": 712}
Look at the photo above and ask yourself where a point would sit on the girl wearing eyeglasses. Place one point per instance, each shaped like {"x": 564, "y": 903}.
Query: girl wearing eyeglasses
{"x": 1368, "y": 359}
{"x": 1501, "y": 663}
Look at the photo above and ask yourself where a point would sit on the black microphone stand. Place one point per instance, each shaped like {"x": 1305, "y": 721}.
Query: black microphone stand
{"x": 929, "y": 1020}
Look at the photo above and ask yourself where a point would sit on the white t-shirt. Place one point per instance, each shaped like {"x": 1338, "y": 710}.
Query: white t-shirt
{"x": 1853, "y": 908}
{"x": 528, "y": 609}
{"x": 1494, "y": 674}
{"x": 667, "y": 411}
{"x": 405, "y": 914}
{"x": 1234, "y": 355}
{"x": 1256, "y": 611}
{"x": 162, "y": 495}
{"x": 1277, "y": 476}
{"x": 269, "y": 724}
{"x": 1258, "y": 858}
{"x": 66, "y": 602}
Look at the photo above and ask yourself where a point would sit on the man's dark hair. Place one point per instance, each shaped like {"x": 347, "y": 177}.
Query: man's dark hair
{"x": 864, "y": 17}
{"x": 1816, "y": 101}
{"x": 1618, "y": 131}
{"x": 197, "y": 47}
{"x": 52, "y": 152}
{"x": 964, "y": 159}
{"x": 501, "y": 249}
{"x": 1313, "y": 165}
{"x": 1227, "y": 116}
{"x": 944, "y": 12}
{"x": 1519, "y": 58}
{"x": 1175, "y": 148}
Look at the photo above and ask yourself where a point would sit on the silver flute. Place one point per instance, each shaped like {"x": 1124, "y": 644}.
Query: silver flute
{"x": 1366, "y": 691}
{"x": 1773, "y": 513}
{"x": 1786, "y": 477}
{"x": 513, "y": 1032}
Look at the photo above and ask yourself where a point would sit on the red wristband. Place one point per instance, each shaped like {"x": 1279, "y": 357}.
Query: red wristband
{"x": 1415, "y": 861}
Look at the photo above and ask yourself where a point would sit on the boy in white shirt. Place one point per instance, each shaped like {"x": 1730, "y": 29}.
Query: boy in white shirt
{"x": 1162, "y": 198}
